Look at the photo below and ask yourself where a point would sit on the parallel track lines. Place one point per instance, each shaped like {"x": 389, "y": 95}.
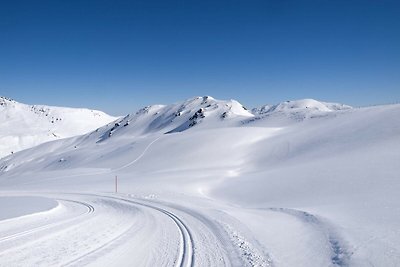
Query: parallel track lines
{"x": 47, "y": 226}
{"x": 186, "y": 257}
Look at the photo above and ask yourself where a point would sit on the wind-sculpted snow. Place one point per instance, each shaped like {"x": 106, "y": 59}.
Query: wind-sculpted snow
{"x": 304, "y": 184}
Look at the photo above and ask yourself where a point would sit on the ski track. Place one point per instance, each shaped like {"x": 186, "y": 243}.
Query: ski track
{"x": 79, "y": 241}
{"x": 90, "y": 209}
{"x": 186, "y": 255}
{"x": 139, "y": 157}
{"x": 194, "y": 239}
{"x": 220, "y": 224}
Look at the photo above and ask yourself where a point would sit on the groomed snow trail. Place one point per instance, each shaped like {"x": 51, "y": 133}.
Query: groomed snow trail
{"x": 185, "y": 255}
{"x": 108, "y": 229}
{"x": 44, "y": 227}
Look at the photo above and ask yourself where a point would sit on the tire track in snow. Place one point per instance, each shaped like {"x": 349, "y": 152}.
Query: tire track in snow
{"x": 70, "y": 239}
{"x": 186, "y": 255}
{"x": 242, "y": 251}
{"x": 90, "y": 209}
{"x": 88, "y": 206}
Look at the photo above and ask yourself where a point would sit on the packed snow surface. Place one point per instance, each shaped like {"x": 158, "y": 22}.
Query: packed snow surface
{"x": 206, "y": 182}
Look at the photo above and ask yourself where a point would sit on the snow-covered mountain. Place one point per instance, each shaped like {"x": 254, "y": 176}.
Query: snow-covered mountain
{"x": 209, "y": 113}
{"x": 198, "y": 114}
{"x": 300, "y": 183}
{"x": 304, "y": 105}
{"x": 24, "y": 126}
{"x": 297, "y": 110}
{"x": 202, "y": 112}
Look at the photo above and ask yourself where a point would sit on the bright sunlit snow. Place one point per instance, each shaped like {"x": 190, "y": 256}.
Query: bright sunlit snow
{"x": 204, "y": 182}
{"x": 24, "y": 126}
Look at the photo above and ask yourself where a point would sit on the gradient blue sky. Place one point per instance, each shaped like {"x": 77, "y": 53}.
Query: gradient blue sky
{"x": 117, "y": 56}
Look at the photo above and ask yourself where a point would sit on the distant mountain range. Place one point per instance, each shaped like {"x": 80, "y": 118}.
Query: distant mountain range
{"x": 317, "y": 183}
{"x": 27, "y": 126}
{"x": 207, "y": 113}
{"x": 24, "y": 126}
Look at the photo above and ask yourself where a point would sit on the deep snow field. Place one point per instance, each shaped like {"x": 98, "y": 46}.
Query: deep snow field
{"x": 206, "y": 182}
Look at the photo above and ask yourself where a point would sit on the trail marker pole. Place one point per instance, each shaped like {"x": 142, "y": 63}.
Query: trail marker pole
{"x": 116, "y": 184}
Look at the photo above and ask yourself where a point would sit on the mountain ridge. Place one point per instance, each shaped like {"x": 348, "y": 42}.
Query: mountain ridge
{"x": 24, "y": 126}
{"x": 47, "y": 123}
{"x": 212, "y": 113}
{"x": 327, "y": 176}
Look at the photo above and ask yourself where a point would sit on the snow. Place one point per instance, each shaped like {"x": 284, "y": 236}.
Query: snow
{"x": 16, "y": 206}
{"x": 24, "y": 126}
{"x": 307, "y": 105}
{"x": 300, "y": 183}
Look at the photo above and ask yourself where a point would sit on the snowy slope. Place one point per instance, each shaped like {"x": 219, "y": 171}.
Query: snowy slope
{"x": 303, "y": 183}
{"x": 198, "y": 111}
{"x": 24, "y": 126}
{"x": 297, "y": 110}
{"x": 304, "y": 105}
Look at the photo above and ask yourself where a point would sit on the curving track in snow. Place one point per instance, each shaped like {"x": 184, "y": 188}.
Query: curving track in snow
{"x": 138, "y": 157}
{"x": 98, "y": 229}
{"x": 185, "y": 256}
{"x": 105, "y": 230}
{"x": 37, "y": 229}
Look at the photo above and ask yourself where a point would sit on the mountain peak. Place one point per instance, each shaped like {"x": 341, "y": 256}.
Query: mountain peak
{"x": 178, "y": 117}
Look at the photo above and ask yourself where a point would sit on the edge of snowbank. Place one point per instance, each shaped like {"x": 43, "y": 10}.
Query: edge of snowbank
{"x": 18, "y": 206}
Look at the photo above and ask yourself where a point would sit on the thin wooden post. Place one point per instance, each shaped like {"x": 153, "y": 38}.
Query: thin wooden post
{"x": 116, "y": 184}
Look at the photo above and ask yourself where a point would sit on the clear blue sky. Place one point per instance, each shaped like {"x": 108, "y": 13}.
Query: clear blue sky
{"x": 120, "y": 55}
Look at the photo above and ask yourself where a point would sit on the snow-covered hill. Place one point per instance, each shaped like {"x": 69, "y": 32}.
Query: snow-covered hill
{"x": 297, "y": 110}
{"x": 202, "y": 112}
{"x": 24, "y": 126}
{"x": 300, "y": 183}
{"x": 304, "y": 105}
